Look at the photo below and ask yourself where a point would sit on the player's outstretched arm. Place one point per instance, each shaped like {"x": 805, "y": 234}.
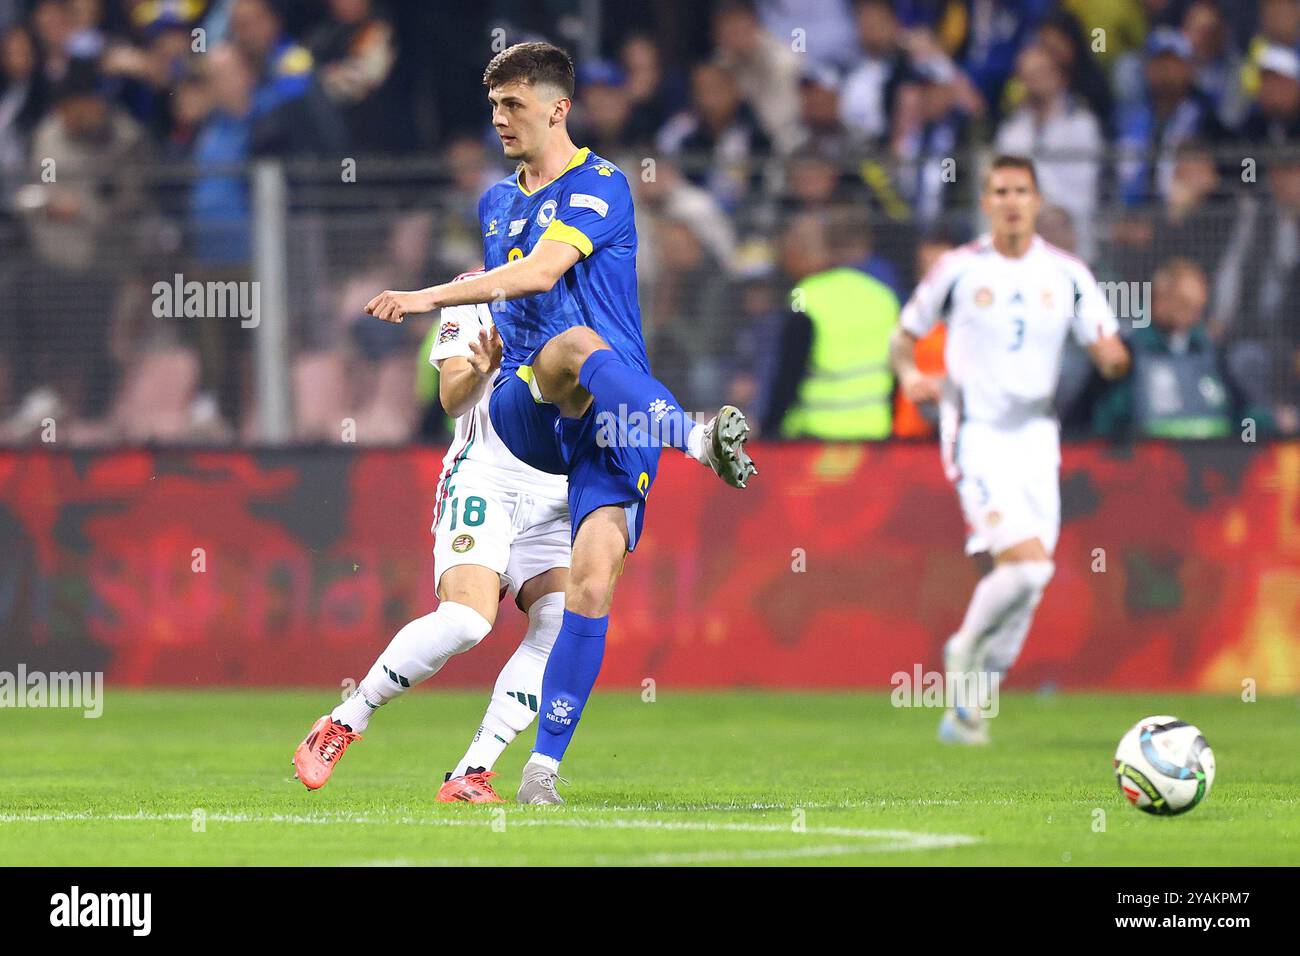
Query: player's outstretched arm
{"x": 916, "y": 385}
{"x": 1111, "y": 357}
{"x": 536, "y": 272}
{"x": 462, "y": 379}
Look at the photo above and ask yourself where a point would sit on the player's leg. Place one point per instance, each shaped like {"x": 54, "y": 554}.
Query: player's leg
{"x": 577, "y": 367}
{"x": 517, "y": 692}
{"x": 992, "y": 631}
{"x": 599, "y": 549}
{"x": 468, "y": 596}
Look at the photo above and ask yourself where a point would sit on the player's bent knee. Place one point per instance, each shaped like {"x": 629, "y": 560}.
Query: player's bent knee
{"x": 463, "y": 626}
{"x": 1033, "y": 576}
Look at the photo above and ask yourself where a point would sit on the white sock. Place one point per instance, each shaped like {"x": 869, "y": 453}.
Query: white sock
{"x": 416, "y": 653}
{"x": 695, "y": 442}
{"x": 541, "y": 760}
{"x": 518, "y": 690}
{"x": 1002, "y": 648}
{"x": 1000, "y": 609}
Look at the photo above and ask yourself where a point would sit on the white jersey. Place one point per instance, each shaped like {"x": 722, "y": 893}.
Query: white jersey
{"x": 477, "y": 452}
{"x": 1007, "y": 324}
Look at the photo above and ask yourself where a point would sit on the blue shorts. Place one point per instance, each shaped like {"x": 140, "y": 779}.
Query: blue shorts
{"x": 601, "y": 472}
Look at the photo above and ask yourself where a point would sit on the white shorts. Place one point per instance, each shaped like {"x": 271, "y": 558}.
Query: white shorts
{"x": 512, "y": 533}
{"x": 1010, "y": 487}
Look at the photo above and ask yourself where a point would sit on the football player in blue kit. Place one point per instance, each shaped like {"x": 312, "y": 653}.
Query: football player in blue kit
{"x": 575, "y": 395}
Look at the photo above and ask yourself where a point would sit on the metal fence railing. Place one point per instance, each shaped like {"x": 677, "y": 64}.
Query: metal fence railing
{"x": 126, "y": 317}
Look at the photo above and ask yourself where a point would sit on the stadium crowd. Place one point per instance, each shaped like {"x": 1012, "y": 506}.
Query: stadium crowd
{"x": 797, "y": 165}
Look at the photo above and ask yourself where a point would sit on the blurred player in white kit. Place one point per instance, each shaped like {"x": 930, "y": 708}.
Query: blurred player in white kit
{"x": 499, "y": 526}
{"x": 1009, "y": 300}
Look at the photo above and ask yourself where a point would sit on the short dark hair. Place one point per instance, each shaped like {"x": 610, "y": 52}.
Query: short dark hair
{"x": 531, "y": 63}
{"x": 1007, "y": 161}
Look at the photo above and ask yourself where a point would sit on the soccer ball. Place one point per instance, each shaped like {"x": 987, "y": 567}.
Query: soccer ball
{"x": 1164, "y": 766}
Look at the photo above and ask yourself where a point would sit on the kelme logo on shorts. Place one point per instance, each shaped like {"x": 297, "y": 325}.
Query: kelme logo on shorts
{"x": 462, "y": 543}
{"x": 643, "y": 483}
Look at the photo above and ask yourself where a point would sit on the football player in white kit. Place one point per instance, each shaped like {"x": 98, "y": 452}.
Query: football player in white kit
{"x": 498, "y": 526}
{"x": 1009, "y": 300}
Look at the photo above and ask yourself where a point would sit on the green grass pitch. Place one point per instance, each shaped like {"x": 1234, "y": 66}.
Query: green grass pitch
{"x": 729, "y": 778}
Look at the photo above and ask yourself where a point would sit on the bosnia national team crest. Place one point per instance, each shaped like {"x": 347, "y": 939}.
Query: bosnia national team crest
{"x": 546, "y": 213}
{"x": 1048, "y": 298}
{"x": 984, "y": 297}
{"x": 450, "y": 329}
{"x": 462, "y": 543}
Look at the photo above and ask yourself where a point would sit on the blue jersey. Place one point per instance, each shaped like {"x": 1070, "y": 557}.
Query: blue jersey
{"x": 588, "y": 206}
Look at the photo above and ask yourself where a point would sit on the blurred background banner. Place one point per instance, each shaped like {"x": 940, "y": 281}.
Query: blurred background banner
{"x": 1178, "y": 568}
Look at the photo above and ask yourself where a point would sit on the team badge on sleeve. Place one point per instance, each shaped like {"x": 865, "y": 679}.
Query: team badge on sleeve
{"x": 449, "y": 332}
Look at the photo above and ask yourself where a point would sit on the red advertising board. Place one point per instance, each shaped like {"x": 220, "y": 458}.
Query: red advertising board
{"x": 1178, "y": 568}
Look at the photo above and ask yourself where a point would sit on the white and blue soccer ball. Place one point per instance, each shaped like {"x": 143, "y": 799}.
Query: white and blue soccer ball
{"x": 1164, "y": 766}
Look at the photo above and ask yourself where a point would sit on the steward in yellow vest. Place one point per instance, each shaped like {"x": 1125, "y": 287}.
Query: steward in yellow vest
{"x": 846, "y": 392}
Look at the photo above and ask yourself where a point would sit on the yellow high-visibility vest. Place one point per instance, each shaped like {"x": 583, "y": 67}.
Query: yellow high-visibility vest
{"x": 846, "y": 393}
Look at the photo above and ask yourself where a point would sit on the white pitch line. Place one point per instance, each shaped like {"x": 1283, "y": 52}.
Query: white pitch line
{"x": 895, "y": 840}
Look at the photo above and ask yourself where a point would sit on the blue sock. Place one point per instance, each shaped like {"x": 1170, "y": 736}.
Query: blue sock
{"x": 613, "y": 383}
{"x": 567, "y": 681}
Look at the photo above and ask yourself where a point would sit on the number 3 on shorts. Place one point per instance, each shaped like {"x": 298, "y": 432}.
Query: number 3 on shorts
{"x": 475, "y": 512}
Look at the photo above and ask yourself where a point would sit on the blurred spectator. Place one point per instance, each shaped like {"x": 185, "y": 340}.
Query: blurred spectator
{"x": 1062, "y": 36}
{"x": 765, "y": 69}
{"x": 365, "y": 371}
{"x": 150, "y": 74}
{"x": 869, "y": 98}
{"x": 850, "y": 224}
{"x": 756, "y": 348}
{"x": 690, "y": 318}
{"x": 1259, "y": 284}
{"x": 219, "y": 217}
{"x": 602, "y": 115}
{"x": 355, "y": 51}
{"x": 934, "y": 117}
{"x": 1061, "y": 135}
{"x": 219, "y": 203}
{"x": 1275, "y": 115}
{"x": 290, "y": 113}
{"x": 22, "y": 100}
{"x": 719, "y": 129}
{"x": 86, "y": 40}
{"x": 820, "y": 126}
{"x": 833, "y": 381}
{"x": 654, "y": 94}
{"x": 1178, "y": 387}
{"x": 1218, "y": 64}
{"x": 921, "y": 421}
{"x": 80, "y": 222}
{"x": 995, "y": 32}
{"x": 1171, "y": 113}
{"x": 815, "y": 182}
{"x": 1121, "y": 22}
{"x": 97, "y": 152}
{"x": 826, "y": 28}
{"x": 53, "y": 25}
{"x": 1279, "y": 25}
{"x": 472, "y": 170}
{"x": 667, "y": 195}
{"x": 1193, "y": 223}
